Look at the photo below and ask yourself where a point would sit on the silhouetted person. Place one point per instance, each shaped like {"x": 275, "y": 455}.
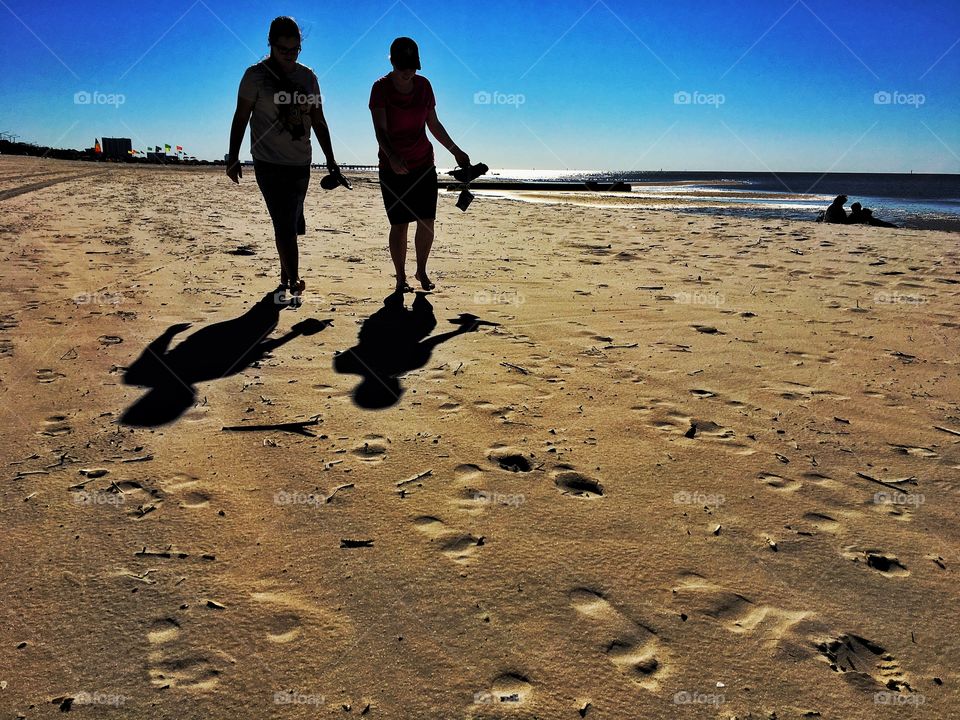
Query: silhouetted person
{"x": 393, "y": 341}
{"x": 857, "y": 216}
{"x": 835, "y": 213}
{"x": 403, "y": 106}
{"x": 212, "y": 352}
{"x": 280, "y": 98}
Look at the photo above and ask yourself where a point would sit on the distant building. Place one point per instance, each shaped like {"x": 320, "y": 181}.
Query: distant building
{"x": 116, "y": 148}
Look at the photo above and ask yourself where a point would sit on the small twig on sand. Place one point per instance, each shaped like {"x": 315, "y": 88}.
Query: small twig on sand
{"x": 338, "y": 489}
{"x": 615, "y": 347}
{"x": 516, "y": 367}
{"x": 141, "y": 458}
{"x": 912, "y": 480}
{"x": 424, "y": 474}
{"x": 24, "y": 473}
{"x": 946, "y": 430}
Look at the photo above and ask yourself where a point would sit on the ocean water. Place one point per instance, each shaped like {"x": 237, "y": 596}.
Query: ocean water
{"x": 923, "y": 201}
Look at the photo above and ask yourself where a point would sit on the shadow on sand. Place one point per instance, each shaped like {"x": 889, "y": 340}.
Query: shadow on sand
{"x": 394, "y": 341}
{"x": 211, "y": 353}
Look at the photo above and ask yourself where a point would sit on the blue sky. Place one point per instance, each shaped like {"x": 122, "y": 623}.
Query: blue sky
{"x": 777, "y": 85}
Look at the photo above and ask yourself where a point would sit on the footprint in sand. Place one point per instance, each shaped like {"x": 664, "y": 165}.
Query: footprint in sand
{"x": 140, "y": 500}
{"x": 779, "y": 483}
{"x": 510, "y": 688}
{"x": 914, "y": 451}
{"x": 883, "y": 562}
{"x": 863, "y": 663}
{"x": 822, "y": 523}
{"x": 634, "y": 649}
{"x": 188, "y": 489}
{"x": 457, "y": 546}
{"x": 776, "y": 628}
{"x": 55, "y": 425}
{"x": 47, "y": 375}
{"x": 171, "y": 665}
{"x": 284, "y": 624}
{"x": 575, "y": 484}
{"x": 510, "y": 458}
{"x": 373, "y": 449}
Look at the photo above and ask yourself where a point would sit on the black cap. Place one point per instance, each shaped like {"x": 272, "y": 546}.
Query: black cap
{"x": 404, "y": 54}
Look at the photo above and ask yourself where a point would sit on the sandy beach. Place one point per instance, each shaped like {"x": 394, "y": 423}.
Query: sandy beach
{"x": 621, "y": 463}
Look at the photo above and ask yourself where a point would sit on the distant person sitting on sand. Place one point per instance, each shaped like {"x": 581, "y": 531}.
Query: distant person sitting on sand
{"x": 403, "y": 106}
{"x": 857, "y": 215}
{"x": 835, "y": 213}
{"x": 281, "y": 100}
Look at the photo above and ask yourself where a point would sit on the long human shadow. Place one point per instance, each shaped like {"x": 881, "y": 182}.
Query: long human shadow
{"x": 211, "y": 353}
{"x": 393, "y": 341}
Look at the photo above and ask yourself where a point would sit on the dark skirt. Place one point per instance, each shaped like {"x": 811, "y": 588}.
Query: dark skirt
{"x": 409, "y": 197}
{"x": 284, "y": 188}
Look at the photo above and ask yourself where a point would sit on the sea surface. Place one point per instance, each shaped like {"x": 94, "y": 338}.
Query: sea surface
{"x": 923, "y": 201}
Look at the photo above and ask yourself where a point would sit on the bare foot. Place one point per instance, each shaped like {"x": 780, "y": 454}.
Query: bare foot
{"x": 424, "y": 280}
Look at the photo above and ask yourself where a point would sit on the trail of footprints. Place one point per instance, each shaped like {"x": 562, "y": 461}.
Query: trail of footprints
{"x": 460, "y": 546}
{"x": 633, "y": 648}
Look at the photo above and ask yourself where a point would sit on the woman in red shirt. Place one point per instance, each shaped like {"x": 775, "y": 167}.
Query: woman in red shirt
{"x": 403, "y": 106}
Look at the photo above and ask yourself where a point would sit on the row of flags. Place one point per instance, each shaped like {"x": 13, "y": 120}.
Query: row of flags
{"x": 166, "y": 148}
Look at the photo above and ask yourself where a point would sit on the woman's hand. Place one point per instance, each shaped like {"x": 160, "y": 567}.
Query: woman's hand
{"x": 398, "y": 165}
{"x": 234, "y": 170}
{"x": 463, "y": 160}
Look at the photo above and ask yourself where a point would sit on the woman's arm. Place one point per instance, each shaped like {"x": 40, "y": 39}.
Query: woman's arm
{"x": 322, "y": 132}
{"x": 383, "y": 139}
{"x": 440, "y": 133}
{"x": 237, "y": 130}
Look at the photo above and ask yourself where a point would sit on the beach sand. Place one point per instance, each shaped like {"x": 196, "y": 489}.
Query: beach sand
{"x": 660, "y": 466}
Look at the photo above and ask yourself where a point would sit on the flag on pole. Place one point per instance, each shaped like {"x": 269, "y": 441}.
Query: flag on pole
{"x": 179, "y": 148}
{"x": 96, "y": 146}
{"x": 156, "y": 148}
{"x": 166, "y": 148}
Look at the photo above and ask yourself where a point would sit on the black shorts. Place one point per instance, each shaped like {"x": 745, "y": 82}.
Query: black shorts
{"x": 409, "y": 197}
{"x": 284, "y": 188}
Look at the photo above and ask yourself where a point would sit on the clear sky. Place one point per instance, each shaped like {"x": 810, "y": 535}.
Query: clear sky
{"x": 568, "y": 84}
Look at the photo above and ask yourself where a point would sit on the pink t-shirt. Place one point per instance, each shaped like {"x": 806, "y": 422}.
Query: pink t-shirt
{"x": 406, "y": 119}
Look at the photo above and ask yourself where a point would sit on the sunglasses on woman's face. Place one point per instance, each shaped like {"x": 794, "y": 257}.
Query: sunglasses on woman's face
{"x": 283, "y": 50}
